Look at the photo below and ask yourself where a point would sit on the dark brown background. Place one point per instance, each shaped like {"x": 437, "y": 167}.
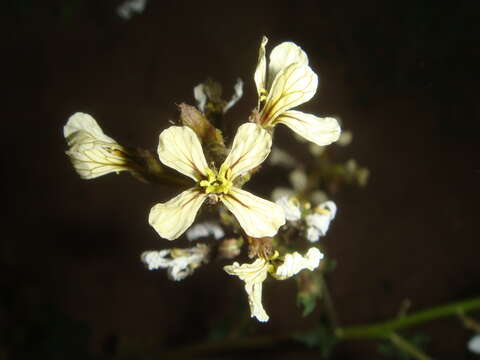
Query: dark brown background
{"x": 403, "y": 77}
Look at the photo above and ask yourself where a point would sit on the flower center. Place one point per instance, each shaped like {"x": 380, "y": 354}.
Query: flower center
{"x": 220, "y": 183}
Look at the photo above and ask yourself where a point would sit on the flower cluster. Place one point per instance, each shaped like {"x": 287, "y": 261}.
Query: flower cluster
{"x": 195, "y": 148}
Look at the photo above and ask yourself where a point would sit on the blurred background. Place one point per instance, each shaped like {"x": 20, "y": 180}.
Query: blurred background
{"x": 402, "y": 76}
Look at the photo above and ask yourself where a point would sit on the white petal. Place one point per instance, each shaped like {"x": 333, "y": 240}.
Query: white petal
{"x": 474, "y": 344}
{"x": 201, "y": 96}
{"x": 92, "y": 153}
{"x": 321, "y": 131}
{"x": 172, "y": 218}
{"x": 258, "y": 217}
{"x": 292, "y": 86}
{"x": 291, "y": 209}
{"x": 261, "y": 70}
{"x": 250, "y": 148}
{"x": 294, "y": 263}
{"x": 254, "y": 275}
{"x": 282, "y": 56}
{"x": 84, "y": 122}
{"x": 180, "y": 149}
{"x": 237, "y": 95}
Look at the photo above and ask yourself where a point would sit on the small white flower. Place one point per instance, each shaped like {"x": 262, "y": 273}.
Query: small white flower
{"x": 290, "y": 207}
{"x": 319, "y": 222}
{"x": 92, "y": 153}
{"x": 254, "y": 275}
{"x": 129, "y": 7}
{"x": 205, "y": 230}
{"x": 294, "y": 263}
{"x": 180, "y": 149}
{"x": 290, "y": 82}
{"x": 179, "y": 263}
{"x": 201, "y": 96}
{"x": 474, "y": 344}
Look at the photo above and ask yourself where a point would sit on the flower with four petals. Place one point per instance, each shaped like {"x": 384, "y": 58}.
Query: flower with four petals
{"x": 290, "y": 82}
{"x": 180, "y": 149}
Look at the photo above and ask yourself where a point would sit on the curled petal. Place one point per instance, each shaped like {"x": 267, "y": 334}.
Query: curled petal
{"x": 292, "y": 86}
{"x": 282, "y": 56}
{"x": 92, "y": 153}
{"x": 250, "y": 148}
{"x": 254, "y": 275}
{"x": 258, "y": 217}
{"x": 172, "y": 218}
{"x": 294, "y": 263}
{"x": 180, "y": 149}
{"x": 261, "y": 70}
{"x": 84, "y": 122}
{"x": 321, "y": 131}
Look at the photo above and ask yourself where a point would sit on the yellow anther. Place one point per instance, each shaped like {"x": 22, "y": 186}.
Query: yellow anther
{"x": 217, "y": 183}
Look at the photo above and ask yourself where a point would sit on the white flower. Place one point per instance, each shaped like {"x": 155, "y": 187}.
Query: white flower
{"x": 180, "y": 149}
{"x": 129, "y": 7}
{"x": 474, "y": 344}
{"x": 92, "y": 153}
{"x": 179, "y": 262}
{"x": 319, "y": 222}
{"x": 204, "y": 230}
{"x": 294, "y": 263}
{"x": 291, "y": 207}
{"x": 290, "y": 82}
{"x": 200, "y": 93}
{"x": 254, "y": 275}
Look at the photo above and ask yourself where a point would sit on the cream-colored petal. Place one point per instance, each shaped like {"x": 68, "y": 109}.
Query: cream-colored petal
{"x": 250, "y": 148}
{"x": 282, "y": 56}
{"x": 180, "y": 149}
{"x": 321, "y": 131}
{"x": 92, "y": 153}
{"x": 254, "y": 275}
{"x": 261, "y": 70}
{"x": 292, "y": 86}
{"x": 85, "y": 122}
{"x": 258, "y": 217}
{"x": 173, "y": 218}
{"x": 294, "y": 263}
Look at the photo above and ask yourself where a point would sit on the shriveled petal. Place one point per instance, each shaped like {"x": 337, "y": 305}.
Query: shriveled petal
{"x": 254, "y": 275}
{"x": 292, "y": 86}
{"x": 180, "y": 149}
{"x": 85, "y": 122}
{"x": 282, "y": 56}
{"x": 258, "y": 217}
{"x": 250, "y": 148}
{"x": 261, "y": 70}
{"x": 294, "y": 263}
{"x": 173, "y": 218}
{"x": 321, "y": 131}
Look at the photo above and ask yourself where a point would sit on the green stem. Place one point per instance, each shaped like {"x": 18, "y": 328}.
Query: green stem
{"x": 402, "y": 344}
{"x": 384, "y": 329}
